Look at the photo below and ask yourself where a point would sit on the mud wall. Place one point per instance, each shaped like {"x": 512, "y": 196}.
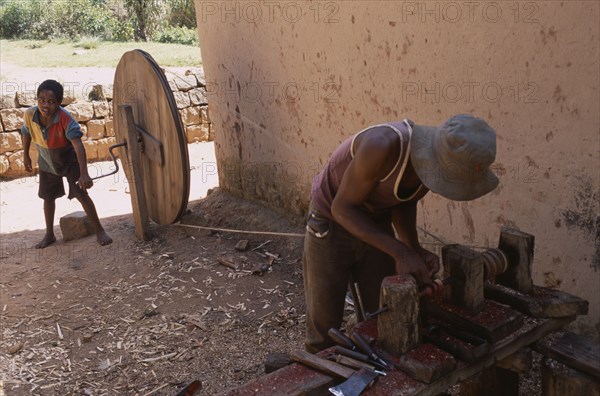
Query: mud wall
{"x": 287, "y": 81}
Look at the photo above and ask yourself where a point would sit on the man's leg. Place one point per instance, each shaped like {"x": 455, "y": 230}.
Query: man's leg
{"x": 49, "y": 210}
{"x": 90, "y": 210}
{"x": 372, "y": 267}
{"x": 326, "y": 265}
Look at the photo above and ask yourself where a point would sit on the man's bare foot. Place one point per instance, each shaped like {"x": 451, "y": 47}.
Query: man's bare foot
{"x": 103, "y": 238}
{"x": 48, "y": 240}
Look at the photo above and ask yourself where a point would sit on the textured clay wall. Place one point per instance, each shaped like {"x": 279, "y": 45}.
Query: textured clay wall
{"x": 287, "y": 81}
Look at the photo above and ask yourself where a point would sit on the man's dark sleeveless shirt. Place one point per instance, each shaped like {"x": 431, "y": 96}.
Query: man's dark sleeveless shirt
{"x": 384, "y": 196}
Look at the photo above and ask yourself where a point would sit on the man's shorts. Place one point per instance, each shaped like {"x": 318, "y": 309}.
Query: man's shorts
{"x": 52, "y": 187}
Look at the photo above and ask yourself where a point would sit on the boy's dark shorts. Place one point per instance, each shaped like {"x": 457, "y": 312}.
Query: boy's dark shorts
{"x": 52, "y": 187}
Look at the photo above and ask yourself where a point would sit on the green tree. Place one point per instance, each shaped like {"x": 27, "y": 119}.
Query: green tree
{"x": 146, "y": 15}
{"x": 182, "y": 13}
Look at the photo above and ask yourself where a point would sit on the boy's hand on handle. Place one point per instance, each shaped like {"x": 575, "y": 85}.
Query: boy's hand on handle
{"x": 27, "y": 163}
{"x": 85, "y": 182}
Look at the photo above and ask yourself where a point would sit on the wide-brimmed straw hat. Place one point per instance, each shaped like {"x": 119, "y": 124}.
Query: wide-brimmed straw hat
{"x": 454, "y": 160}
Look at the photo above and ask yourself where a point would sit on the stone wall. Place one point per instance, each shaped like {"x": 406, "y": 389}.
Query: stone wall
{"x": 95, "y": 116}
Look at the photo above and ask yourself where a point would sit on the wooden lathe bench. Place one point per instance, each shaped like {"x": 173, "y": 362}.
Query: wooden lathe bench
{"x": 489, "y": 295}
{"x": 297, "y": 379}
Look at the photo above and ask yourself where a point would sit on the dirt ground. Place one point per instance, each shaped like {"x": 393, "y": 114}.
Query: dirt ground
{"x": 141, "y": 318}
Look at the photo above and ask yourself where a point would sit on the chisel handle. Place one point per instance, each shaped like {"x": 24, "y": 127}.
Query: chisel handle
{"x": 364, "y": 346}
{"x": 353, "y": 354}
{"x": 353, "y": 363}
{"x": 339, "y": 338}
{"x": 358, "y": 356}
{"x": 321, "y": 364}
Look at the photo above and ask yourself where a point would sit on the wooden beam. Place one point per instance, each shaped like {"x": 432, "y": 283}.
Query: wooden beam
{"x": 518, "y": 248}
{"x": 151, "y": 147}
{"x": 398, "y": 327}
{"x": 427, "y": 363}
{"x": 494, "y": 322}
{"x": 503, "y": 349}
{"x": 466, "y": 267}
{"x": 135, "y": 175}
{"x": 561, "y": 380}
{"x": 541, "y": 302}
{"x": 573, "y": 350}
{"x": 326, "y": 366}
{"x": 492, "y": 381}
{"x": 519, "y": 362}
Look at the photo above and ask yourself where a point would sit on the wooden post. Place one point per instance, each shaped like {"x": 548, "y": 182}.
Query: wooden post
{"x": 518, "y": 248}
{"x": 135, "y": 176}
{"x": 502, "y": 379}
{"x": 398, "y": 327}
{"x": 466, "y": 267}
{"x": 560, "y": 380}
{"x": 492, "y": 381}
{"x": 519, "y": 362}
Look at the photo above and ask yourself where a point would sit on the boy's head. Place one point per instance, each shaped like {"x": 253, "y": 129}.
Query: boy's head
{"x": 49, "y": 97}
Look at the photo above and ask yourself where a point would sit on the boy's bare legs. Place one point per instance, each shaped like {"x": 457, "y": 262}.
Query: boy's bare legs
{"x": 49, "y": 238}
{"x": 90, "y": 210}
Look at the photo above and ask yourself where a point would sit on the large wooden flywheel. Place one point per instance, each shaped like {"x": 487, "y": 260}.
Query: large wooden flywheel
{"x": 155, "y": 155}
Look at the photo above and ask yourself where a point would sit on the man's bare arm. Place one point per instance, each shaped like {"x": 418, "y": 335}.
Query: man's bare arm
{"x": 85, "y": 181}
{"x": 404, "y": 218}
{"x": 374, "y": 159}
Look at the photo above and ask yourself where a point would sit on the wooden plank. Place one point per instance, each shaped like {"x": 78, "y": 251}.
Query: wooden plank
{"x": 466, "y": 267}
{"x": 151, "y": 147}
{"x": 398, "y": 327}
{"x": 573, "y": 350}
{"x": 519, "y": 362}
{"x": 533, "y": 330}
{"x": 560, "y": 380}
{"x": 324, "y": 365}
{"x": 294, "y": 380}
{"x": 427, "y": 363}
{"x": 456, "y": 342}
{"x": 492, "y": 381}
{"x": 493, "y": 322}
{"x": 518, "y": 247}
{"x": 541, "y": 302}
{"x": 135, "y": 176}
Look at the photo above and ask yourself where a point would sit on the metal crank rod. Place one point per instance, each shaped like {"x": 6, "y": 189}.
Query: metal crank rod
{"x": 112, "y": 156}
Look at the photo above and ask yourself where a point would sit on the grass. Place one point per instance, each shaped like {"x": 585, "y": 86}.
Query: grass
{"x": 92, "y": 53}
{"x": 88, "y": 43}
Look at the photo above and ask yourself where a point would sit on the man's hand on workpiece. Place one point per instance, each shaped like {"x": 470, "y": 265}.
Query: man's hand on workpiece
{"x": 410, "y": 262}
{"x": 435, "y": 288}
{"x": 431, "y": 260}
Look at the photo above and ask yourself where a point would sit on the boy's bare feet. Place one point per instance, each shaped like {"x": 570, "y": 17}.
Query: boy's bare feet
{"x": 103, "y": 238}
{"x": 49, "y": 239}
